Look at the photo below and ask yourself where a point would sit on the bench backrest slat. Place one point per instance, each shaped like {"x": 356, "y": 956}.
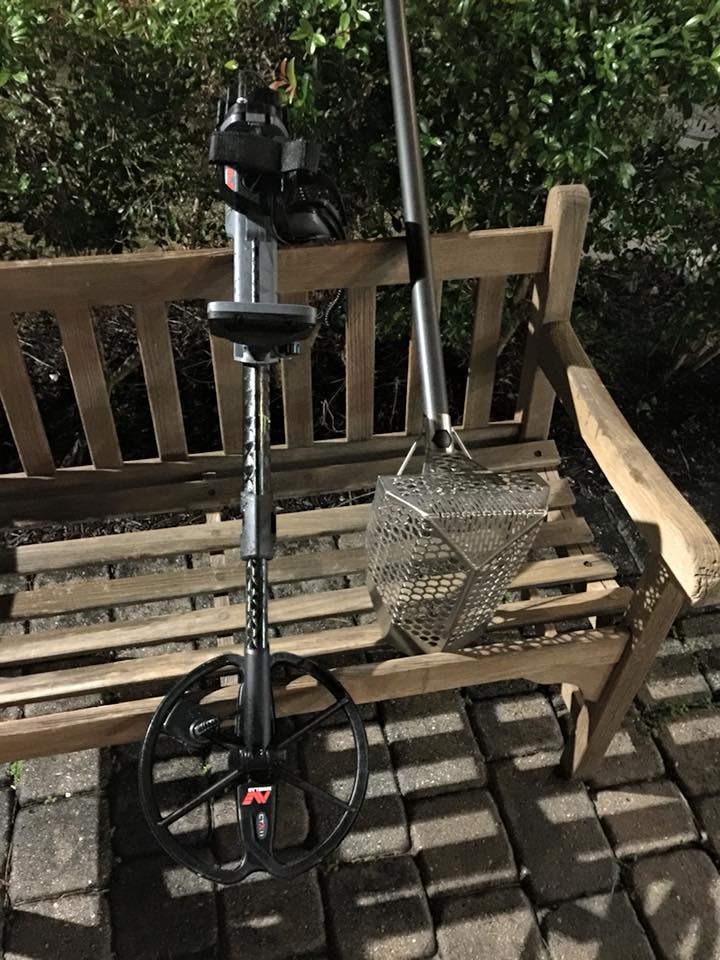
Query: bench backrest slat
{"x": 360, "y": 363}
{"x": 228, "y": 376}
{"x": 296, "y": 376}
{"x": 89, "y": 384}
{"x": 487, "y": 320}
{"x": 21, "y": 408}
{"x": 156, "y": 355}
{"x": 207, "y": 274}
{"x": 70, "y": 288}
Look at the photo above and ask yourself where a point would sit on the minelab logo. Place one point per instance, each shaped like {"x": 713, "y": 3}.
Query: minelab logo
{"x": 257, "y": 795}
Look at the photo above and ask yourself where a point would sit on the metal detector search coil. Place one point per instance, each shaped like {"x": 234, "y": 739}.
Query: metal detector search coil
{"x": 444, "y": 546}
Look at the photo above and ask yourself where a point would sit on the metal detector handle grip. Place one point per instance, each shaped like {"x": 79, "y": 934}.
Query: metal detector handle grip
{"x": 422, "y": 276}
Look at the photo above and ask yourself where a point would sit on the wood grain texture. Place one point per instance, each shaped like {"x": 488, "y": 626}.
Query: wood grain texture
{"x": 74, "y": 681}
{"x": 199, "y": 538}
{"x": 71, "y": 596}
{"x": 173, "y": 541}
{"x": 88, "y": 380}
{"x": 487, "y": 322}
{"x": 20, "y": 404}
{"x": 333, "y": 603}
{"x": 656, "y": 603}
{"x": 566, "y": 212}
{"x": 407, "y": 676}
{"x": 665, "y": 519}
{"x": 360, "y": 363}
{"x": 228, "y": 375}
{"x": 164, "y": 667}
{"x": 204, "y": 274}
{"x": 151, "y": 471}
{"x": 93, "y": 638}
{"x": 297, "y": 387}
{"x": 217, "y": 578}
{"x": 159, "y": 369}
{"x": 212, "y": 492}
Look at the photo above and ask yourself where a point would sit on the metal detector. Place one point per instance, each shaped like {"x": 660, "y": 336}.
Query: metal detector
{"x": 273, "y": 194}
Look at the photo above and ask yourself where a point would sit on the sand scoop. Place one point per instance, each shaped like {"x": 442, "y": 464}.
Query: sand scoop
{"x": 444, "y": 545}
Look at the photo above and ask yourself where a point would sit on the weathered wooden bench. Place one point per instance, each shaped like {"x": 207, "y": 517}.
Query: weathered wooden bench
{"x": 601, "y": 659}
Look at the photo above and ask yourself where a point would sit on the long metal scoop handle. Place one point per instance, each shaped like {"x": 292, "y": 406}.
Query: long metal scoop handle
{"x": 422, "y": 276}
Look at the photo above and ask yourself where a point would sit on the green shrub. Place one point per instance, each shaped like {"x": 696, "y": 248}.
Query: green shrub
{"x": 105, "y": 108}
{"x": 516, "y": 96}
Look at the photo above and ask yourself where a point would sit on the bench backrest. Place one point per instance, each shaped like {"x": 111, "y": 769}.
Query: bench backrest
{"x": 69, "y": 289}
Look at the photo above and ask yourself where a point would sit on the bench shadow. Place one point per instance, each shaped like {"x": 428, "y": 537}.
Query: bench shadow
{"x": 36, "y": 936}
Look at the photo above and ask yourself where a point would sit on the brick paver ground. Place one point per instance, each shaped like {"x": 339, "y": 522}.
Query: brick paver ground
{"x": 470, "y": 846}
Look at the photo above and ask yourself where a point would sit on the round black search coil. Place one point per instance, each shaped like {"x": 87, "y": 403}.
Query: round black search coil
{"x": 226, "y": 811}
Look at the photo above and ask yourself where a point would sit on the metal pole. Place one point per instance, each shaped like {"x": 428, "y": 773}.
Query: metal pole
{"x": 422, "y": 277}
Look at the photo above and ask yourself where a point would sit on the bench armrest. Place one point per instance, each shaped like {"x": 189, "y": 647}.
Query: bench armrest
{"x": 671, "y": 527}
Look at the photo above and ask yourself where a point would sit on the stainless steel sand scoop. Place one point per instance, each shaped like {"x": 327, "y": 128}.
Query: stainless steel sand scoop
{"x": 443, "y": 546}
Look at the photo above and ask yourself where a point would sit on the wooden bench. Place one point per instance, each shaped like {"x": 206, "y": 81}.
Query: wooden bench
{"x": 614, "y": 631}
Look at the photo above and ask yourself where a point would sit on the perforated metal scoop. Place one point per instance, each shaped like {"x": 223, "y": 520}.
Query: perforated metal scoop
{"x": 443, "y": 546}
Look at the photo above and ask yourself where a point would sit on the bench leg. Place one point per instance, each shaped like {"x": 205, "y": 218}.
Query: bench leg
{"x": 655, "y": 604}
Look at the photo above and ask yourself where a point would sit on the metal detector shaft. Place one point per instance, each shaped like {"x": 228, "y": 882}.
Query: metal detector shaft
{"x": 254, "y": 282}
{"x": 419, "y": 252}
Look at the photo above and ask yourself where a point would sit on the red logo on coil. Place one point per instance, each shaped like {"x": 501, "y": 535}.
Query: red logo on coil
{"x": 259, "y": 795}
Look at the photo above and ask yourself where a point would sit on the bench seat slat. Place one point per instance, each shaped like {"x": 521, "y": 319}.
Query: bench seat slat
{"x": 166, "y": 667}
{"x": 173, "y": 541}
{"x": 127, "y": 721}
{"x": 111, "y": 676}
{"x": 56, "y": 644}
{"x": 100, "y": 592}
{"x": 97, "y": 638}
